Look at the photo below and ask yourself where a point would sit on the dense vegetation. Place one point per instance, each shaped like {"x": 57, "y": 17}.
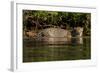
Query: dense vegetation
{"x": 37, "y": 20}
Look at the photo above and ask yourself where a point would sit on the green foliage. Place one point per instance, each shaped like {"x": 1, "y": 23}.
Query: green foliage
{"x": 66, "y": 20}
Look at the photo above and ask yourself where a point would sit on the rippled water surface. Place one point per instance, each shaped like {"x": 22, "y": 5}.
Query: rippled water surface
{"x": 40, "y": 51}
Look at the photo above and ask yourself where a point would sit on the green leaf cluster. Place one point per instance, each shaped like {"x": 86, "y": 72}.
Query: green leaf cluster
{"x": 66, "y": 20}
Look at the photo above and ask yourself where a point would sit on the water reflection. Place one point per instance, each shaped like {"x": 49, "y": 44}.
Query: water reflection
{"x": 78, "y": 40}
{"x": 76, "y": 49}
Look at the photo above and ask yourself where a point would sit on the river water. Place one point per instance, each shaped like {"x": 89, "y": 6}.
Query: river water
{"x": 40, "y": 51}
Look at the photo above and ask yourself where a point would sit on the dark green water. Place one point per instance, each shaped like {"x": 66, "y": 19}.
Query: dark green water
{"x": 39, "y": 52}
